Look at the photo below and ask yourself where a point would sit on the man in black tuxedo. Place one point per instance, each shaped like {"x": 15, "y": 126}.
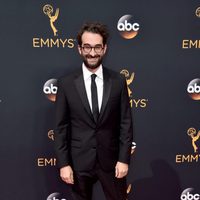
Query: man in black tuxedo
{"x": 93, "y": 132}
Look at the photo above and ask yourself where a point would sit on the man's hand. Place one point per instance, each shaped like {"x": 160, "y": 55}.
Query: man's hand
{"x": 66, "y": 174}
{"x": 121, "y": 169}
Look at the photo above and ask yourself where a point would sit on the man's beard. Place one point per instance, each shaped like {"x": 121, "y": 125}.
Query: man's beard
{"x": 95, "y": 65}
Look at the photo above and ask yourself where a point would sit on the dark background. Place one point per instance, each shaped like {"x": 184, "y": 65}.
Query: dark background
{"x": 162, "y": 72}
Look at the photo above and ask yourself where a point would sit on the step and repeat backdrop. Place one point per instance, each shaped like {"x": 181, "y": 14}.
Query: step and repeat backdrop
{"x": 154, "y": 44}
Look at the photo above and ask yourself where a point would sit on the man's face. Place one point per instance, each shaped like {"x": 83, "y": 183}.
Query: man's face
{"x": 92, "y": 57}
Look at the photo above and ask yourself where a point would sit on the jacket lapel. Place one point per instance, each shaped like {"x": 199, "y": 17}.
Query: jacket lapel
{"x": 106, "y": 91}
{"x": 80, "y": 86}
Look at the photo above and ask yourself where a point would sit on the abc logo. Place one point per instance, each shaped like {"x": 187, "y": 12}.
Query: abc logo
{"x": 186, "y": 195}
{"x": 194, "y": 89}
{"x": 127, "y": 28}
{"x": 189, "y": 196}
{"x": 55, "y": 196}
{"x": 50, "y": 89}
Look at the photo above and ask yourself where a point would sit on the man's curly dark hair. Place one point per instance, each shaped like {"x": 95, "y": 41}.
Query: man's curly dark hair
{"x": 93, "y": 27}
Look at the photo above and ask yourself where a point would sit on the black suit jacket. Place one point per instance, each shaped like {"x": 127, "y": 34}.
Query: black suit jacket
{"x": 79, "y": 141}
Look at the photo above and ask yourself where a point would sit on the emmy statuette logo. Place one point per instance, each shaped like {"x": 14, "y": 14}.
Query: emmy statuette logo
{"x": 48, "y": 10}
{"x": 129, "y": 80}
{"x": 197, "y": 12}
{"x": 44, "y": 161}
{"x": 54, "y": 41}
{"x": 194, "y": 135}
{"x": 51, "y": 135}
{"x": 136, "y": 102}
{"x": 192, "y": 43}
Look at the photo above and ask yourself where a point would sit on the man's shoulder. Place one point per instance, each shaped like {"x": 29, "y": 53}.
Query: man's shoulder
{"x": 113, "y": 74}
{"x": 70, "y": 76}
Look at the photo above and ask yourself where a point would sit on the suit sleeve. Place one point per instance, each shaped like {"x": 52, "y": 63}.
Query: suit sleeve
{"x": 126, "y": 127}
{"x": 62, "y": 129}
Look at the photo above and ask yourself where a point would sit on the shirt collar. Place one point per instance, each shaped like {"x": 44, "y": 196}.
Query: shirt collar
{"x": 87, "y": 74}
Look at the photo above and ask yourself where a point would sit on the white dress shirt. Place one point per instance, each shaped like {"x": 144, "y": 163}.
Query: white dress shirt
{"x": 99, "y": 82}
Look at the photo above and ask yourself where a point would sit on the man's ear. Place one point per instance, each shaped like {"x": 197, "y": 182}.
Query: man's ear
{"x": 79, "y": 50}
{"x": 105, "y": 48}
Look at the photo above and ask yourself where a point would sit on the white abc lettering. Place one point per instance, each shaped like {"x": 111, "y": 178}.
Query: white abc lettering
{"x": 126, "y": 26}
{"x": 189, "y": 196}
{"x": 120, "y": 26}
{"x": 47, "y": 90}
{"x": 183, "y": 197}
{"x": 193, "y": 88}
{"x": 50, "y": 90}
{"x": 136, "y": 26}
{"x": 196, "y": 197}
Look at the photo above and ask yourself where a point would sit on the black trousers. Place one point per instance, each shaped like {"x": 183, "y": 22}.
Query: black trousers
{"x": 114, "y": 188}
